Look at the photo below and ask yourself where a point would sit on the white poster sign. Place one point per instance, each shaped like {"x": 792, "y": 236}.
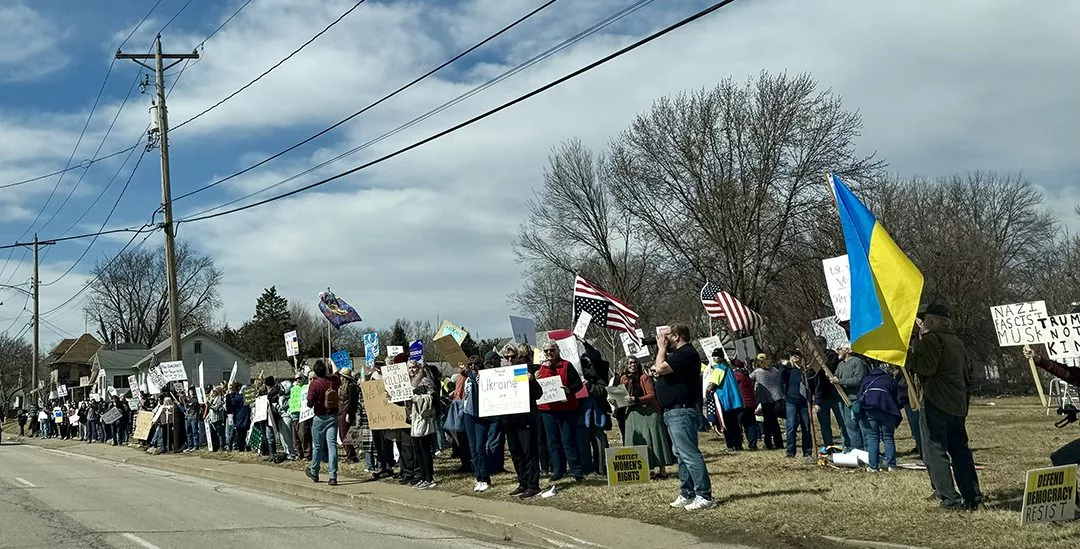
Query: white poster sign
{"x": 393, "y": 351}
{"x": 173, "y": 370}
{"x": 570, "y": 351}
{"x": 155, "y": 381}
{"x": 553, "y": 390}
{"x": 1061, "y": 334}
{"x": 292, "y": 344}
{"x": 202, "y": 377}
{"x": 306, "y": 412}
{"x": 232, "y": 376}
{"x": 62, "y": 391}
{"x": 200, "y": 393}
{"x": 745, "y": 348}
{"x": 1017, "y": 324}
{"x": 631, "y": 348}
{"x": 582, "y": 325}
{"x": 838, "y": 279}
{"x": 262, "y": 405}
{"x": 830, "y": 329}
{"x": 504, "y": 391}
{"x": 710, "y": 344}
{"x": 397, "y": 382}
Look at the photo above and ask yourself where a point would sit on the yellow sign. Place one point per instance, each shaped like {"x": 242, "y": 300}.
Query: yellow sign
{"x": 627, "y": 465}
{"x": 1049, "y": 495}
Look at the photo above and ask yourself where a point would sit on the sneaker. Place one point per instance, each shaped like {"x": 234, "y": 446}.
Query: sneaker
{"x": 420, "y": 485}
{"x": 892, "y": 469}
{"x": 482, "y": 486}
{"x": 529, "y": 494}
{"x": 428, "y": 485}
{"x": 517, "y": 491}
{"x": 871, "y": 470}
{"x": 314, "y": 478}
{"x": 700, "y": 503}
{"x": 681, "y": 501}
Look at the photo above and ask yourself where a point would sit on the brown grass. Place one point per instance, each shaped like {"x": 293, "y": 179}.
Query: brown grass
{"x": 770, "y": 501}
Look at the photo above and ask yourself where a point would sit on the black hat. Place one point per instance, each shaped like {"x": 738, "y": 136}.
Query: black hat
{"x": 936, "y": 309}
{"x": 717, "y": 352}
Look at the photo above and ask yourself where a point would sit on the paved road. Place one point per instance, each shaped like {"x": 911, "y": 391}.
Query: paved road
{"x": 53, "y": 499}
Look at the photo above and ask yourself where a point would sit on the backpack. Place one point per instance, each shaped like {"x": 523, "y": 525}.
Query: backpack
{"x": 330, "y": 400}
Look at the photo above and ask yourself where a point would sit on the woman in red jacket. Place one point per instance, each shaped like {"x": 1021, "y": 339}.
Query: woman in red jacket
{"x": 560, "y": 418}
{"x": 1070, "y": 453}
{"x": 747, "y": 417}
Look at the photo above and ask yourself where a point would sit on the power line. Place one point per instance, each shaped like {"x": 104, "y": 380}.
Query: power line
{"x": 226, "y": 22}
{"x": 271, "y": 69}
{"x": 337, "y": 124}
{"x": 596, "y": 27}
{"x": 479, "y": 117}
{"x": 100, "y": 272}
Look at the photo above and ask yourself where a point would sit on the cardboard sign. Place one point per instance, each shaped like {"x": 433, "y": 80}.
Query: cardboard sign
{"x": 381, "y": 413}
{"x": 451, "y": 329}
{"x": 1016, "y": 324}
{"x": 292, "y": 344}
{"x": 553, "y": 391}
{"x": 262, "y": 405}
{"x": 173, "y": 371}
{"x": 830, "y": 329}
{"x": 393, "y": 351}
{"x": 524, "y": 330}
{"x": 710, "y": 344}
{"x": 396, "y": 382}
{"x": 1049, "y": 495}
{"x": 112, "y": 416}
{"x": 1061, "y": 336}
{"x": 582, "y": 326}
{"x": 628, "y": 465}
{"x": 504, "y": 391}
{"x": 745, "y": 348}
{"x": 838, "y": 280}
{"x": 143, "y": 421}
{"x": 450, "y": 351}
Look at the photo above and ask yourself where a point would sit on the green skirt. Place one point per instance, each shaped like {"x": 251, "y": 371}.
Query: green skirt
{"x": 645, "y": 427}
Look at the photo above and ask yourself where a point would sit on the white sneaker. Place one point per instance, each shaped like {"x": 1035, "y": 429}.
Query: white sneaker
{"x": 428, "y": 485}
{"x": 700, "y": 503}
{"x": 482, "y": 486}
{"x": 477, "y": 487}
{"x": 680, "y": 502}
{"x": 422, "y": 485}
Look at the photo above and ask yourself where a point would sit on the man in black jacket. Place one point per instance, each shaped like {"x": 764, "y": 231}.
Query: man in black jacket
{"x": 827, "y": 401}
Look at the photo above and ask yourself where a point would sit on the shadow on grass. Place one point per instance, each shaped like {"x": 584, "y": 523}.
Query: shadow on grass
{"x": 773, "y": 493}
{"x": 1005, "y": 499}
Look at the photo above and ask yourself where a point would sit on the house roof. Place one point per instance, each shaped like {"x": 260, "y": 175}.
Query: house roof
{"x": 61, "y": 348}
{"x": 120, "y": 359}
{"x": 280, "y": 369}
{"x": 167, "y": 344}
{"x": 81, "y": 351}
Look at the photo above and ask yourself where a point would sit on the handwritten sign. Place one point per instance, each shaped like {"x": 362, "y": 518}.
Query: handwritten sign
{"x": 112, "y": 416}
{"x": 262, "y": 405}
{"x": 631, "y": 348}
{"x": 371, "y": 348}
{"x": 451, "y": 329}
{"x": 838, "y": 280}
{"x": 830, "y": 329}
{"x": 1017, "y": 324}
{"x": 143, "y": 421}
{"x": 582, "y": 326}
{"x": 1061, "y": 334}
{"x": 173, "y": 370}
{"x": 745, "y": 348}
{"x": 504, "y": 391}
{"x": 553, "y": 391}
{"x": 710, "y": 344}
{"x": 397, "y": 382}
{"x": 155, "y": 382}
{"x": 381, "y": 413}
{"x": 627, "y": 465}
{"x": 292, "y": 343}
{"x": 306, "y": 412}
{"x": 1049, "y": 495}
{"x": 341, "y": 359}
{"x": 394, "y": 350}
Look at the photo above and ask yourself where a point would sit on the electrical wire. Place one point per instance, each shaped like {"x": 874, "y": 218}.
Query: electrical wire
{"x": 386, "y": 97}
{"x": 477, "y": 118}
{"x": 271, "y": 69}
{"x": 100, "y": 272}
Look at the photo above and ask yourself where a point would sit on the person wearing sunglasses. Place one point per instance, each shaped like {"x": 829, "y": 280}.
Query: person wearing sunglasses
{"x": 477, "y": 429}
{"x": 560, "y": 418}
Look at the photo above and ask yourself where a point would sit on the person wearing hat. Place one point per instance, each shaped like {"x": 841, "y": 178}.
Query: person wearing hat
{"x": 348, "y": 402}
{"x": 939, "y": 361}
{"x": 301, "y": 431}
{"x": 849, "y": 375}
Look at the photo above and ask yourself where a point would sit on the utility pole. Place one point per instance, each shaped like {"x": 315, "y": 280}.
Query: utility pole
{"x": 162, "y": 119}
{"x": 36, "y": 320}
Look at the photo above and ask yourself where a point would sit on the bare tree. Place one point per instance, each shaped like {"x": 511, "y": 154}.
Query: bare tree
{"x": 15, "y": 361}
{"x": 129, "y": 296}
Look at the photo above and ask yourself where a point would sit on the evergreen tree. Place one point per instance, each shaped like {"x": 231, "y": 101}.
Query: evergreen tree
{"x": 398, "y": 335}
{"x": 263, "y": 335}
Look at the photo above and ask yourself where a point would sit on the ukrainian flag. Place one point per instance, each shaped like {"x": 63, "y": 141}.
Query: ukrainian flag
{"x": 885, "y": 284}
{"x": 521, "y": 374}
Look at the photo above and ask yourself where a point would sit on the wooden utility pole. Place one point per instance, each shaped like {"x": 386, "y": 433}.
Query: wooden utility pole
{"x": 162, "y": 121}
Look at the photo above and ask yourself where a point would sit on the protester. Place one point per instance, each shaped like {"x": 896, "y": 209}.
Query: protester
{"x": 769, "y": 390}
{"x": 880, "y": 405}
{"x": 522, "y": 437}
{"x": 644, "y": 422}
{"x": 797, "y": 405}
{"x": 677, "y": 388}
{"x": 849, "y": 375}
{"x": 940, "y": 362}
{"x": 301, "y": 432}
{"x": 348, "y": 404}
{"x": 722, "y": 386}
{"x": 827, "y": 401}
{"x": 1068, "y": 454}
{"x": 22, "y": 417}
{"x": 193, "y": 418}
{"x": 595, "y": 419}
{"x": 241, "y": 419}
{"x": 747, "y": 419}
{"x": 216, "y": 416}
{"x": 323, "y": 398}
{"x": 560, "y": 418}
{"x": 422, "y": 425}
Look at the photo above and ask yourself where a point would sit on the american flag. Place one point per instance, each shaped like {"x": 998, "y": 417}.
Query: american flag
{"x": 720, "y": 304}
{"x": 606, "y": 310}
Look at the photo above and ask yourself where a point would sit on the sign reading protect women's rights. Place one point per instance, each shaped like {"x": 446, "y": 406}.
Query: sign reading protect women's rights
{"x": 627, "y": 465}
{"x": 504, "y": 391}
{"x": 1017, "y": 324}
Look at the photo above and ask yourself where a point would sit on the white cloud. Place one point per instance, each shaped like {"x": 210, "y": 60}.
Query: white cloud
{"x": 30, "y": 44}
{"x": 974, "y": 87}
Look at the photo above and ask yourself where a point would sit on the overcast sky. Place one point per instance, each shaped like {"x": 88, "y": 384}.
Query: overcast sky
{"x": 942, "y": 87}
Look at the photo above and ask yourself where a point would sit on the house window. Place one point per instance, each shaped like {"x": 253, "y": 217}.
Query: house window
{"x": 198, "y": 346}
{"x": 120, "y": 382}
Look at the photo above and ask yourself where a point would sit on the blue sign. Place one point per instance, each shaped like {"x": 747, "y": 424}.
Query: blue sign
{"x": 341, "y": 359}
{"x": 416, "y": 351}
{"x": 371, "y": 348}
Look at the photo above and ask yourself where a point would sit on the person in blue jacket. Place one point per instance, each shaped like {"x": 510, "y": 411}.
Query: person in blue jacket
{"x": 241, "y": 413}
{"x": 880, "y": 403}
{"x": 797, "y": 401}
{"x": 721, "y": 382}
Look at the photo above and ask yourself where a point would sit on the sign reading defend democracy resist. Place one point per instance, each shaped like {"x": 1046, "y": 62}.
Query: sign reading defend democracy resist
{"x": 1049, "y": 495}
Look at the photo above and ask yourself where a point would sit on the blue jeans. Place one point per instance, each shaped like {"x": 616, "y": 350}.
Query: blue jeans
{"x": 682, "y": 426}
{"x": 478, "y": 430}
{"x": 913, "y": 423}
{"x": 496, "y": 448}
{"x": 826, "y": 411}
{"x": 191, "y": 432}
{"x": 798, "y": 416}
{"x": 879, "y": 427}
{"x": 324, "y": 430}
{"x": 560, "y": 431}
{"x": 851, "y": 425}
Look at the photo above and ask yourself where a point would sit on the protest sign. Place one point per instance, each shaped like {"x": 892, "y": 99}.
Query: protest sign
{"x": 710, "y": 344}
{"x": 371, "y": 348}
{"x": 307, "y": 412}
{"x": 632, "y": 348}
{"x": 397, "y": 382}
{"x": 830, "y": 329}
{"x": 341, "y": 359}
{"x": 524, "y": 330}
{"x": 627, "y": 465}
{"x": 250, "y": 393}
{"x": 662, "y": 331}
{"x": 1049, "y": 495}
{"x": 232, "y": 376}
{"x": 262, "y": 405}
{"x": 381, "y": 413}
{"x": 1061, "y": 334}
{"x": 504, "y": 391}
{"x": 112, "y": 416}
{"x": 838, "y": 280}
{"x": 173, "y": 370}
{"x": 112, "y": 391}
{"x": 1016, "y": 324}
{"x": 62, "y": 391}
{"x": 582, "y": 326}
{"x": 450, "y": 350}
{"x": 209, "y": 430}
{"x": 618, "y": 394}
{"x": 553, "y": 390}
{"x": 292, "y": 344}
{"x": 416, "y": 351}
{"x": 451, "y": 329}
{"x": 745, "y": 348}
{"x": 393, "y": 351}
{"x": 143, "y": 421}
{"x": 155, "y": 381}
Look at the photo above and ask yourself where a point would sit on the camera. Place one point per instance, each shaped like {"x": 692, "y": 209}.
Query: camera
{"x": 648, "y": 341}
{"x": 1069, "y": 411}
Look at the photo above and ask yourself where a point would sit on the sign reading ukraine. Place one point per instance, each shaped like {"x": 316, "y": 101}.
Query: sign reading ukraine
{"x": 504, "y": 391}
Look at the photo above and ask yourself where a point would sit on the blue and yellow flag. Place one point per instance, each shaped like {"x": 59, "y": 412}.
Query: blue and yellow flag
{"x": 521, "y": 374}
{"x": 885, "y": 284}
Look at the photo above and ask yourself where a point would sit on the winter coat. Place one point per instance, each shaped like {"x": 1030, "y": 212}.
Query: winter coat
{"x": 879, "y": 391}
